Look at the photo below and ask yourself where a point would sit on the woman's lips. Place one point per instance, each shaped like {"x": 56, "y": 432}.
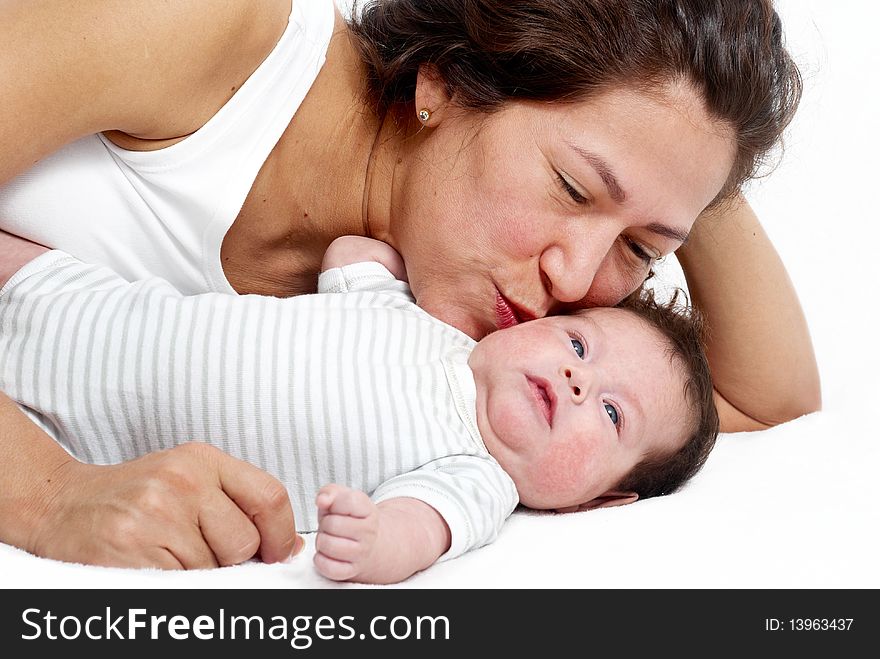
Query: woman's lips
{"x": 504, "y": 314}
{"x": 544, "y": 396}
{"x": 508, "y": 314}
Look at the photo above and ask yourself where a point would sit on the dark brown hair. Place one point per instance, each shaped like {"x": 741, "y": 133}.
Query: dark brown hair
{"x": 682, "y": 327}
{"x": 492, "y": 51}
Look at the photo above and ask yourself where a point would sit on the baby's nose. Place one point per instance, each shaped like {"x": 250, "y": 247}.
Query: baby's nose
{"x": 576, "y": 381}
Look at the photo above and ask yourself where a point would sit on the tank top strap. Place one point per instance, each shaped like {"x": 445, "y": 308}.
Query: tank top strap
{"x": 196, "y": 187}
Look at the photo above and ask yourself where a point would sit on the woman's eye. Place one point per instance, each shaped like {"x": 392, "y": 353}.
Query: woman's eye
{"x": 578, "y": 348}
{"x": 638, "y": 251}
{"x": 612, "y": 413}
{"x": 576, "y": 196}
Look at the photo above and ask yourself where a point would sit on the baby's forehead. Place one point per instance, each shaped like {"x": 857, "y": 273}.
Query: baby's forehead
{"x": 625, "y": 332}
{"x": 627, "y": 329}
{"x": 619, "y": 317}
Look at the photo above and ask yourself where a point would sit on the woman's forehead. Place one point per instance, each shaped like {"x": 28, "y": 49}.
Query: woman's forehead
{"x": 667, "y": 155}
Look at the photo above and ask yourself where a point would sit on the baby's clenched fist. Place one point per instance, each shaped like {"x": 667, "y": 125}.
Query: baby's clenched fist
{"x": 348, "y": 525}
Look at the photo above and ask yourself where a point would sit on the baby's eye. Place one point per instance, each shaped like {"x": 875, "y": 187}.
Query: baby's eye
{"x": 578, "y": 347}
{"x": 612, "y": 413}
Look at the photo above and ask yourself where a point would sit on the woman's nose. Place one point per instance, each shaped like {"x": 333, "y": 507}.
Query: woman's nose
{"x": 569, "y": 268}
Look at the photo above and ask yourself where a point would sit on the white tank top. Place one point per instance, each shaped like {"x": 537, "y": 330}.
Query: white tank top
{"x": 165, "y": 212}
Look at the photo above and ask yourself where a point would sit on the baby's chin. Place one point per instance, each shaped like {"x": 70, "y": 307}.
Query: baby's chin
{"x": 532, "y": 498}
{"x": 537, "y": 503}
{"x": 545, "y": 494}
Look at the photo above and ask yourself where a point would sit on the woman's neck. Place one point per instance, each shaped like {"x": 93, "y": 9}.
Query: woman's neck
{"x": 330, "y": 174}
{"x": 343, "y": 157}
{"x": 329, "y": 147}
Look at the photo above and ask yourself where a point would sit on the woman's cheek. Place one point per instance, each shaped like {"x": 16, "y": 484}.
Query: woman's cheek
{"x": 523, "y": 239}
{"x": 513, "y": 226}
{"x": 610, "y": 287}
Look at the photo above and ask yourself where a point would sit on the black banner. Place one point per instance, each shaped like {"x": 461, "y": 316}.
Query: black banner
{"x": 402, "y": 622}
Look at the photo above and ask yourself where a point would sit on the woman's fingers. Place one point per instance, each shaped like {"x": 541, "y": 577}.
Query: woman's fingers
{"x": 163, "y": 559}
{"x": 152, "y": 557}
{"x": 191, "y": 550}
{"x": 231, "y": 534}
{"x": 265, "y": 501}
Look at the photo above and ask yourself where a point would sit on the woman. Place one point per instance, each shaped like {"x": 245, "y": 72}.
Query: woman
{"x": 524, "y": 157}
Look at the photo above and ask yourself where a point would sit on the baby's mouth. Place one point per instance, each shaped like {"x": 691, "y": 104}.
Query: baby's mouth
{"x": 545, "y": 397}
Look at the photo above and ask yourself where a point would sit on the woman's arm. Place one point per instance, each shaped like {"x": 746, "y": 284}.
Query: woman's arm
{"x": 359, "y": 540}
{"x": 15, "y": 252}
{"x": 759, "y": 346}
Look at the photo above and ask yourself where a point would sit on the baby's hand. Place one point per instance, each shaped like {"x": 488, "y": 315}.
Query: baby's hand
{"x": 346, "y": 250}
{"x": 348, "y": 525}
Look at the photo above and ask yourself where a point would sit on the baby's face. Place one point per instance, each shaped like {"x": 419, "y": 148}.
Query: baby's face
{"x": 568, "y": 405}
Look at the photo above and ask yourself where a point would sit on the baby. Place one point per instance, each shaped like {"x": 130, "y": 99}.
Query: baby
{"x": 428, "y": 439}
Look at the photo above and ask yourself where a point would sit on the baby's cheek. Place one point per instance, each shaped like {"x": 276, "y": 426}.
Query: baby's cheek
{"x": 562, "y": 472}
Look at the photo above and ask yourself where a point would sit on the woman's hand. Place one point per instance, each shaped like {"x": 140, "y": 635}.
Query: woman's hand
{"x": 189, "y": 507}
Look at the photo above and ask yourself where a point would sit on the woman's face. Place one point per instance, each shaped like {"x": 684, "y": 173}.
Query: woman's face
{"x": 539, "y": 208}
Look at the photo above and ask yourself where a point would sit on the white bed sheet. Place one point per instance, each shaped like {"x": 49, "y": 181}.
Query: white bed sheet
{"x": 791, "y": 507}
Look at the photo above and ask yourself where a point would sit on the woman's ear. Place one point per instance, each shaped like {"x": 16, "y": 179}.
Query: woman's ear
{"x": 612, "y": 498}
{"x": 431, "y": 95}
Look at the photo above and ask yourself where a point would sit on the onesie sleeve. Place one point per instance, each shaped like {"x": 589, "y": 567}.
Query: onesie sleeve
{"x": 473, "y": 494}
{"x": 365, "y": 276}
{"x": 54, "y": 261}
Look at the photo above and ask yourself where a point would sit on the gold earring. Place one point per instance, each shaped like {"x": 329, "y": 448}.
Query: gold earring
{"x": 424, "y": 115}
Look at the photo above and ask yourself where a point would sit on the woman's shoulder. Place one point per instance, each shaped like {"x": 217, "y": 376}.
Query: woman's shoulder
{"x": 201, "y": 54}
{"x": 151, "y": 70}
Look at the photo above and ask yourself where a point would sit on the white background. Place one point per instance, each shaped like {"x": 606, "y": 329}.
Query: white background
{"x": 795, "y": 506}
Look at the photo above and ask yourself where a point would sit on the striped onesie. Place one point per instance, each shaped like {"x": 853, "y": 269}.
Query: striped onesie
{"x": 355, "y": 385}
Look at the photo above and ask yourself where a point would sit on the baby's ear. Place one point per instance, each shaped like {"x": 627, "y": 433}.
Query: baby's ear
{"x": 607, "y": 500}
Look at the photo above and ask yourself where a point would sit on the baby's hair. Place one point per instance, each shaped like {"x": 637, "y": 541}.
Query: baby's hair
{"x": 682, "y": 327}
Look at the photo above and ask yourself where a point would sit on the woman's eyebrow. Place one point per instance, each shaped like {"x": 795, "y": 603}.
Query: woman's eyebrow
{"x": 618, "y": 194}
{"x": 615, "y": 190}
{"x": 668, "y": 232}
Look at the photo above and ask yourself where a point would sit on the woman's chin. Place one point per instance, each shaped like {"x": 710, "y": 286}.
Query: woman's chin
{"x": 460, "y": 319}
